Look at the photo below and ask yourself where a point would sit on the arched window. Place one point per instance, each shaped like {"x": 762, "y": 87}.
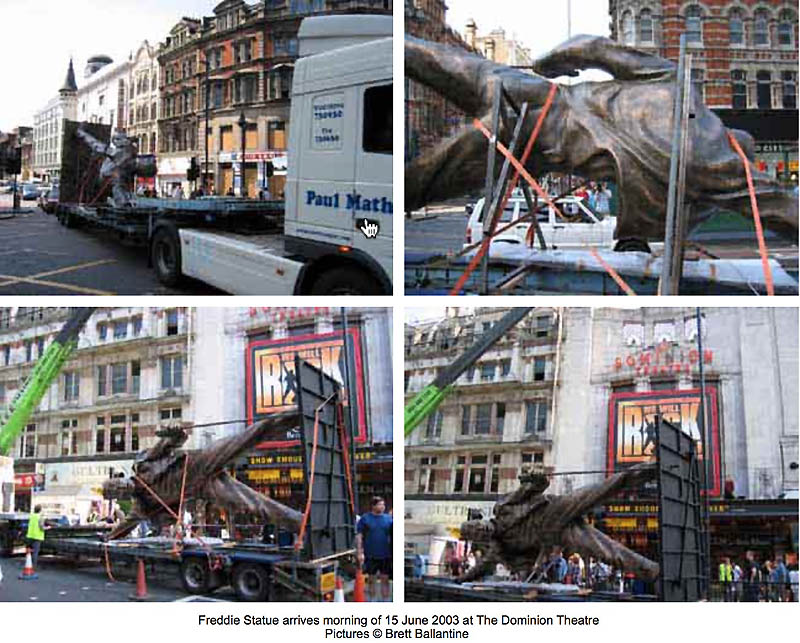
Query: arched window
{"x": 785, "y": 28}
{"x": 628, "y": 36}
{"x": 736, "y": 27}
{"x": 789, "y": 79}
{"x": 763, "y": 93}
{"x": 646, "y": 26}
{"x": 694, "y": 24}
{"x": 761, "y": 28}
{"x": 143, "y": 144}
{"x": 739, "y": 88}
{"x": 697, "y": 83}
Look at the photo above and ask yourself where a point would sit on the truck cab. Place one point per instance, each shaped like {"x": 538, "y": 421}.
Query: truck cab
{"x": 339, "y": 180}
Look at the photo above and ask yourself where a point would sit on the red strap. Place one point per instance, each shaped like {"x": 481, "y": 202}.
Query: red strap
{"x": 762, "y": 246}
{"x": 298, "y": 544}
{"x": 614, "y": 275}
{"x": 528, "y": 148}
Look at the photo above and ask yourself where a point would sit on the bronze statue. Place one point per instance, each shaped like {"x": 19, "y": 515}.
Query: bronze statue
{"x": 161, "y": 468}
{"x": 121, "y": 164}
{"x": 618, "y": 130}
{"x": 528, "y": 523}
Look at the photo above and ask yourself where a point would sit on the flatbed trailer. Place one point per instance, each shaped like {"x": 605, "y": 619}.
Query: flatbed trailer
{"x": 441, "y": 589}
{"x": 255, "y": 571}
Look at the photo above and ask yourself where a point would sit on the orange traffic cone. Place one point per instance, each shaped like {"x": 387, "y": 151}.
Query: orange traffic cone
{"x": 28, "y": 572}
{"x": 358, "y": 591}
{"x": 338, "y": 593}
{"x": 141, "y": 584}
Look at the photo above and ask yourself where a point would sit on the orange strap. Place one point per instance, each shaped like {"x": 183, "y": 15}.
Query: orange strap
{"x": 518, "y": 170}
{"x": 155, "y": 495}
{"x": 346, "y": 455}
{"x": 108, "y": 564}
{"x": 762, "y": 246}
{"x": 298, "y": 544}
{"x": 103, "y": 187}
{"x": 614, "y": 274}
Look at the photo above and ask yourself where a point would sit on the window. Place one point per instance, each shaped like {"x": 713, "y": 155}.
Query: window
{"x": 117, "y": 442}
{"x": 694, "y": 25}
{"x": 119, "y": 378}
{"x": 244, "y": 89}
{"x": 171, "y": 372}
{"x": 217, "y": 92}
{"x": 505, "y": 367}
{"x": 697, "y": 83}
{"x": 28, "y": 350}
{"x": 789, "y": 79}
{"x": 763, "y": 90}
{"x": 487, "y": 372}
{"x": 471, "y": 374}
{"x": 27, "y": 442}
{"x": 170, "y": 414}
{"x": 100, "y": 100}
{"x": 69, "y": 437}
{"x": 739, "y": 88}
{"x": 466, "y": 420}
{"x": 736, "y": 27}
{"x": 100, "y": 435}
{"x": 542, "y": 326}
{"x": 7, "y": 354}
{"x": 761, "y": 28}
{"x": 483, "y": 419}
{"x": 134, "y": 432}
{"x": 172, "y": 322}
{"x": 785, "y": 29}
{"x": 135, "y": 377}
{"x": 477, "y": 474}
{"x": 494, "y": 479}
{"x": 535, "y": 417}
{"x": 377, "y": 135}
{"x": 102, "y": 389}
{"x": 539, "y": 364}
{"x": 120, "y": 329}
{"x": 427, "y": 475}
{"x": 71, "y": 386}
{"x": 102, "y": 331}
{"x": 500, "y": 417}
{"x": 433, "y": 428}
{"x": 529, "y": 459}
{"x": 628, "y": 37}
{"x": 646, "y": 26}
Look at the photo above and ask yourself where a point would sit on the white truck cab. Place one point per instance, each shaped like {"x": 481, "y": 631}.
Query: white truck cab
{"x": 583, "y": 226}
{"x": 339, "y": 180}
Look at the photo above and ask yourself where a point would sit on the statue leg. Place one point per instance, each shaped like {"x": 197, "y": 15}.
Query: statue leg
{"x": 587, "y": 540}
{"x": 232, "y": 493}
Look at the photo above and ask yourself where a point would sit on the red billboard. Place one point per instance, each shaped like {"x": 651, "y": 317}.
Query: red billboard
{"x": 632, "y": 427}
{"x": 269, "y": 369}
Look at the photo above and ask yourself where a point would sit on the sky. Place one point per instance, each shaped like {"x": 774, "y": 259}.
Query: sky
{"x": 539, "y": 24}
{"x": 36, "y": 51}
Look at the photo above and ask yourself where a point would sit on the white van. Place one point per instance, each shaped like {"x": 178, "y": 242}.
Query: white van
{"x": 584, "y": 226}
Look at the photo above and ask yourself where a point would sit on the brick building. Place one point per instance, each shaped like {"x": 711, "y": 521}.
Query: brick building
{"x": 744, "y": 62}
{"x": 428, "y": 116}
{"x": 248, "y": 52}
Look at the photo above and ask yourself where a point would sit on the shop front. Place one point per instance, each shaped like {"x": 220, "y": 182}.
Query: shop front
{"x": 263, "y": 169}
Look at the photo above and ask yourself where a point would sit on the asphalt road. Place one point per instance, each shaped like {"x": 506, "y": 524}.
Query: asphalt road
{"x": 62, "y": 580}
{"x": 38, "y": 256}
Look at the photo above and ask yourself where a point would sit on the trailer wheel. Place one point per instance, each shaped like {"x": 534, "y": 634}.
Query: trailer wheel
{"x": 166, "y": 255}
{"x": 251, "y": 582}
{"x": 196, "y": 576}
{"x": 6, "y": 544}
{"x": 345, "y": 280}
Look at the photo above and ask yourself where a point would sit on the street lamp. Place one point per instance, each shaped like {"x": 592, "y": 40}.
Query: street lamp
{"x": 242, "y": 125}
{"x": 208, "y": 92}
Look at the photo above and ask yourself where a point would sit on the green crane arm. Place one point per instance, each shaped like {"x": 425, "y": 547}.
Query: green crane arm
{"x": 47, "y": 368}
{"x": 429, "y": 398}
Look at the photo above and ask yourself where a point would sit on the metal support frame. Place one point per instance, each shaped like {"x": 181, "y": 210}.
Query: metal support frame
{"x": 675, "y": 233}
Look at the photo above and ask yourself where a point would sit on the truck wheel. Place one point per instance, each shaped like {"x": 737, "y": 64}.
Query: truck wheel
{"x": 345, "y": 280}
{"x": 6, "y": 544}
{"x": 251, "y": 582}
{"x": 166, "y": 255}
{"x": 195, "y": 575}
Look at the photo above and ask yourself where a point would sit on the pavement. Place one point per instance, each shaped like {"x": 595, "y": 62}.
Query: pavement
{"x": 39, "y": 256}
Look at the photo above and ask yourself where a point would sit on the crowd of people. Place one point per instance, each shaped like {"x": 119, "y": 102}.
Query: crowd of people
{"x": 752, "y": 582}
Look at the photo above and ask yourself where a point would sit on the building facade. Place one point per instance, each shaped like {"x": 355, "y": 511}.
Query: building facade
{"x": 143, "y": 103}
{"x": 137, "y": 369}
{"x": 576, "y": 400}
{"x": 48, "y": 128}
{"x": 744, "y": 62}
{"x": 429, "y": 118}
{"x": 245, "y": 55}
{"x": 103, "y": 93}
{"x": 496, "y": 46}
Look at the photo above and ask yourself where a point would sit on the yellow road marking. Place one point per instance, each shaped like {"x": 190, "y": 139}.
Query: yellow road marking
{"x": 36, "y": 279}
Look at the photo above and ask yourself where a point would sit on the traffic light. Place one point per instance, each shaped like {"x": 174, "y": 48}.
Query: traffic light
{"x": 15, "y": 161}
{"x": 193, "y": 173}
{"x": 270, "y": 169}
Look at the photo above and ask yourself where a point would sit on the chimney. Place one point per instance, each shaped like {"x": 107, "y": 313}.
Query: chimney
{"x": 469, "y": 32}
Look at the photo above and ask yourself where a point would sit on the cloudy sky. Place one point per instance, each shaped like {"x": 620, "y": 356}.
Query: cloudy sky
{"x": 39, "y": 36}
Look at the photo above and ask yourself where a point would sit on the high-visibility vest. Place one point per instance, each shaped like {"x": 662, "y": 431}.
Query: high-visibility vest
{"x": 35, "y": 531}
{"x": 725, "y": 572}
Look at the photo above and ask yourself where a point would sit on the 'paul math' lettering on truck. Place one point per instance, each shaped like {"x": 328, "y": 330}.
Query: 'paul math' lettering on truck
{"x": 353, "y": 202}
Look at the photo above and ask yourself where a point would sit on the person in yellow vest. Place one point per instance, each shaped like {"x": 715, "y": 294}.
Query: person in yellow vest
{"x": 726, "y": 578}
{"x": 35, "y": 533}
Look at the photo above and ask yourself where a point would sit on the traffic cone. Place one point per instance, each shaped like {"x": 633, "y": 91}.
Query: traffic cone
{"x": 141, "y": 584}
{"x": 358, "y": 591}
{"x": 338, "y": 593}
{"x": 28, "y": 572}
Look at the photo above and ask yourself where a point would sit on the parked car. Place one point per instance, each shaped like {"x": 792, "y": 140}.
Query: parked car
{"x": 29, "y": 192}
{"x": 583, "y": 226}
{"x": 49, "y": 200}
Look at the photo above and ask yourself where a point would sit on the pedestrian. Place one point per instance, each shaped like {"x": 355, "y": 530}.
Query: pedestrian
{"x": 229, "y": 192}
{"x": 737, "y": 582}
{"x": 573, "y": 576}
{"x": 374, "y": 546}
{"x": 556, "y": 569}
{"x": 751, "y": 578}
{"x": 725, "y": 578}
{"x": 782, "y": 574}
{"x": 35, "y": 534}
{"x": 178, "y": 192}
{"x": 602, "y": 199}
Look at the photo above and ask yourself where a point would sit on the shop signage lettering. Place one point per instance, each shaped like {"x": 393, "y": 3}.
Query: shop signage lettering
{"x": 275, "y": 459}
{"x": 663, "y": 360}
{"x": 28, "y": 480}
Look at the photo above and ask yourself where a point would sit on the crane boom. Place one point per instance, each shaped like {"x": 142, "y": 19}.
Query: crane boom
{"x": 429, "y": 398}
{"x": 47, "y": 368}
